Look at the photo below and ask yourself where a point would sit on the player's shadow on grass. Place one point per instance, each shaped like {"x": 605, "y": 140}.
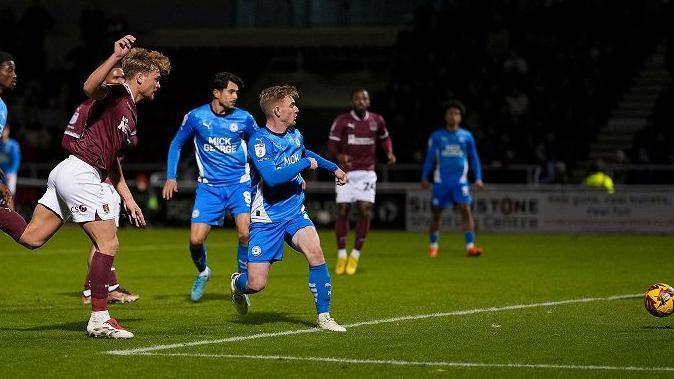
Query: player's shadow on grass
{"x": 259, "y": 318}
{"x": 657, "y": 327}
{"x": 78, "y": 326}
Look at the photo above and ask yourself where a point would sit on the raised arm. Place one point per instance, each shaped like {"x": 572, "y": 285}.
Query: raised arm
{"x": 93, "y": 86}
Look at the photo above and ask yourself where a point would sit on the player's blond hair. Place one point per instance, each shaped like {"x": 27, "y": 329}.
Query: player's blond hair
{"x": 143, "y": 60}
{"x": 272, "y": 95}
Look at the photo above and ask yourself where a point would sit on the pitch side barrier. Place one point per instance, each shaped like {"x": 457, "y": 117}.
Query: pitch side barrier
{"x": 499, "y": 208}
{"x": 521, "y": 208}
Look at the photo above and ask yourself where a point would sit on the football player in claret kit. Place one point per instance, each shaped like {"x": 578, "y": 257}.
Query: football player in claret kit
{"x": 72, "y": 133}
{"x": 74, "y": 186}
{"x": 219, "y": 130}
{"x": 278, "y": 156}
{"x": 451, "y": 149}
{"x": 353, "y": 139}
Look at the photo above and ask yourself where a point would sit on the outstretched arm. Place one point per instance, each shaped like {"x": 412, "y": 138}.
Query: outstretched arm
{"x": 185, "y": 132}
{"x": 261, "y": 151}
{"x": 93, "y": 86}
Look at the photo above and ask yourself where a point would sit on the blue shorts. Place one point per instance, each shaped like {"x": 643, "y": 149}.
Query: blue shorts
{"x": 265, "y": 243}
{"x": 444, "y": 195}
{"x": 212, "y": 202}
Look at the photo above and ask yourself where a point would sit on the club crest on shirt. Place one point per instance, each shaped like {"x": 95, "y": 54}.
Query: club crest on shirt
{"x": 124, "y": 126}
{"x": 260, "y": 150}
{"x": 106, "y": 208}
{"x": 297, "y": 142}
{"x": 233, "y": 127}
{"x": 373, "y": 126}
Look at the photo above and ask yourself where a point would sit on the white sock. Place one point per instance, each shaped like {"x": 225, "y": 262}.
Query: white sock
{"x": 434, "y": 245}
{"x": 100, "y": 316}
{"x": 341, "y": 253}
{"x": 470, "y": 245}
{"x": 324, "y": 314}
{"x": 355, "y": 253}
{"x": 206, "y": 272}
{"x": 86, "y": 293}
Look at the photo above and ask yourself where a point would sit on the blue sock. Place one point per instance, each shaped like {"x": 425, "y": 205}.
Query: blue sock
{"x": 199, "y": 256}
{"x": 242, "y": 258}
{"x": 434, "y": 237}
{"x": 241, "y": 283}
{"x": 320, "y": 286}
{"x": 469, "y": 237}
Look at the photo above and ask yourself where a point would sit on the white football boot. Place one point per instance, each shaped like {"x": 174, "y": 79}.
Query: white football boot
{"x": 328, "y": 323}
{"x": 240, "y": 300}
{"x": 107, "y": 329}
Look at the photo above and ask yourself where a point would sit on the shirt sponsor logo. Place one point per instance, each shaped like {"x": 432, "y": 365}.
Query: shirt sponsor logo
{"x": 353, "y": 140}
{"x": 452, "y": 151}
{"x": 222, "y": 144}
{"x": 260, "y": 150}
{"x": 291, "y": 159}
{"x": 78, "y": 209}
{"x": 256, "y": 251}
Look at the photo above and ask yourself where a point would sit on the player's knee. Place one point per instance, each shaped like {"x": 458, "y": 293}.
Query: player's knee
{"x": 197, "y": 240}
{"x": 243, "y": 237}
{"x": 256, "y": 284}
{"x": 109, "y": 246}
{"x": 342, "y": 210}
{"x": 32, "y": 243}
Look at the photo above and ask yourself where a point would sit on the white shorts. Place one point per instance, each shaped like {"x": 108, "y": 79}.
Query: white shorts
{"x": 74, "y": 189}
{"x": 116, "y": 205}
{"x": 360, "y": 186}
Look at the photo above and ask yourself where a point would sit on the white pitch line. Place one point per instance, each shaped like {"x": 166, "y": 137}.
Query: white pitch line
{"x": 395, "y": 362}
{"x": 371, "y": 322}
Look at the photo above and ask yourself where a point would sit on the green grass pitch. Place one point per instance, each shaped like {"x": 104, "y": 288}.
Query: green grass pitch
{"x": 500, "y": 315}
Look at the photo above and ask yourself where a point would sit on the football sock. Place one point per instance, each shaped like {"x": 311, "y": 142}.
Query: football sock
{"x": 12, "y": 223}
{"x": 341, "y": 253}
{"x": 206, "y": 272}
{"x": 434, "y": 238}
{"x": 242, "y": 258}
{"x": 469, "y": 237}
{"x": 342, "y": 231}
{"x": 98, "y": 276}
{"x": 112, "y": 280}
{"x": 362, "y": 227}
{"x": 241, "y": 283}
{"x": 355, "y": 253}
{"x": 100, "y": 316}
{"x": 321, "y": 287}
{"x": 199, "y": 255}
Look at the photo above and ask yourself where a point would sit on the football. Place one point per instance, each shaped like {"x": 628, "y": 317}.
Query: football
{"x": 659, "y": 300}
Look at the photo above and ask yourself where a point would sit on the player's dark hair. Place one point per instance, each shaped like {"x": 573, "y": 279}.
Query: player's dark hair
{"x": 221, "y": 79}
{"x": 356, "y": 90}
{"x": 457, "y": 104}
{"x": 5, "y": 56}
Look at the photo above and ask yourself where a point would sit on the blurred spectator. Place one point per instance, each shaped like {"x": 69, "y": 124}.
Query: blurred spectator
{"x": 146, "y": 198}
